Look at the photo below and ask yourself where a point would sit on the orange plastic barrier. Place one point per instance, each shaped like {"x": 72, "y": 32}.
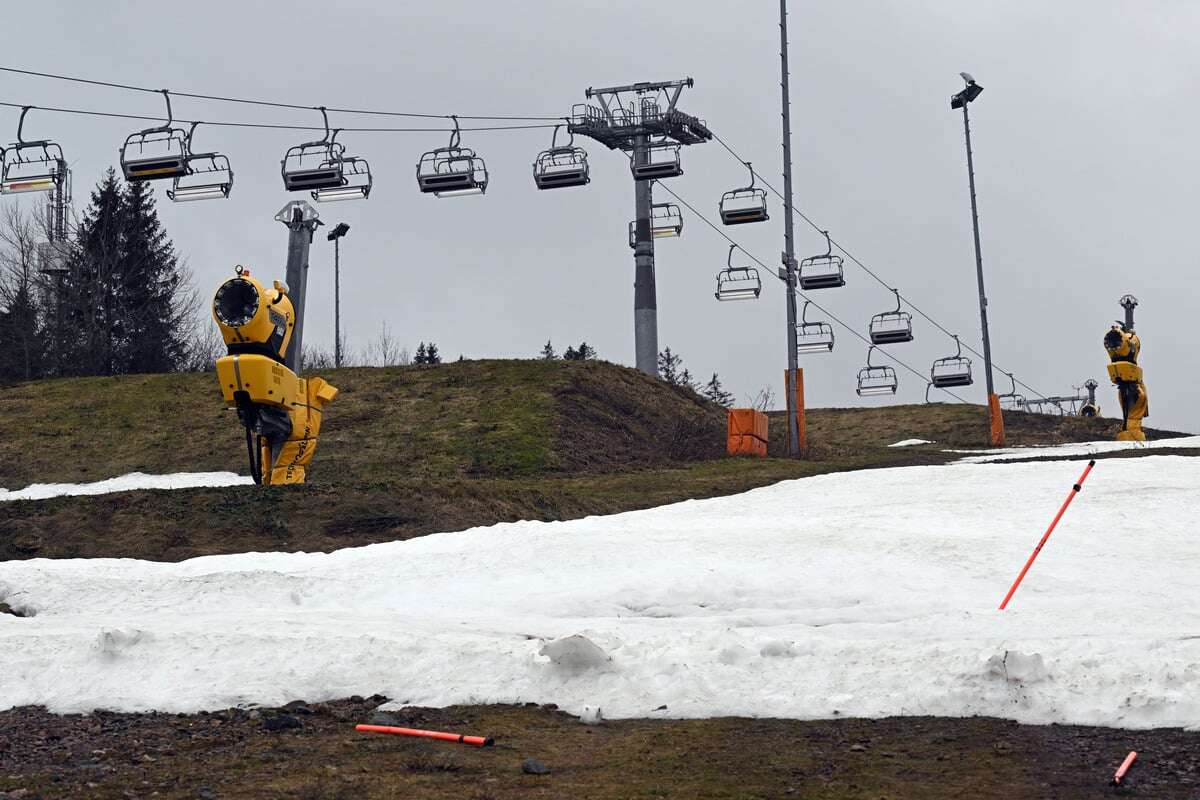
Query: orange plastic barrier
{"x": 477, "y": 741}
{"x": 746, "y": 432}
{"x": 1125, "y": 765}
{"x": 995, "y": 421}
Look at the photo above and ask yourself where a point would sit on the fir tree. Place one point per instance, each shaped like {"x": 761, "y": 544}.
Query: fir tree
{"x": 714, "y": 391}
{"x": 20, "y": 343}
{"x": 585, "y": 352}
{"x": 431, "y": 354}
{"x": 548, "y": 353}
{"x": 570, "y": 354}
{"x": 669, "y": 366}
{"x": 422, "y": 356}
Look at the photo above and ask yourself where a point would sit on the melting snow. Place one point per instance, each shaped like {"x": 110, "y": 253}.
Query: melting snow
{"x": 1077, "y": 449}
{"x": 910, "y": 442}
{"x": 127, "y": 483}
{"x": 867, "y": 593}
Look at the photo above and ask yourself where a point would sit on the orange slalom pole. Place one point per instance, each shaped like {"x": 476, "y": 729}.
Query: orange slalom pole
{"x": 1074, "y": 491}
{"x": 477, "y": 741}
{"x": 1125, "y": 765}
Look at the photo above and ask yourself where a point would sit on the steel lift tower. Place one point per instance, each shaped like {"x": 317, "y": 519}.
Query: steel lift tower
{"x": 643, "y": 121}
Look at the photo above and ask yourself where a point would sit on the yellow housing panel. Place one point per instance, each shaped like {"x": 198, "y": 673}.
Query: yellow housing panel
{"x": 265, "y": 381}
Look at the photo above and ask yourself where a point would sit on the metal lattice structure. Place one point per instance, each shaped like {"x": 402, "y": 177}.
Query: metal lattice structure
{"x": 644, "y": 121}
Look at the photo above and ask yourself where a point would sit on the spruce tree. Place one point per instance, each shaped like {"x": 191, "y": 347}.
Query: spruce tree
{"x": 422, "y": 355}
{"x": 668, "y": 366}
{"x": 548, "y": 353}
{"x": 570, "y": 354}
{"x": 20, "y": 340}
{"x": 714, "y": 391}
{"x": 431, "y": 354}
{"x": 585, "y": 352}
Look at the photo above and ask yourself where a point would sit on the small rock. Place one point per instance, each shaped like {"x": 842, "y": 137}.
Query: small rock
{"x": 384, "y": 718}
{"x": 857, "y": 748}
{"x": 206, "y": 793}
{"x": 254, "y": 713}
{"x": 282, "y": 722}
{"x": 298, "y": 707}
{"x": 531, "y": 766}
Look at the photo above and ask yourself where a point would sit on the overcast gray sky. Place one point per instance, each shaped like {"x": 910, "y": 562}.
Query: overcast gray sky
{"x": 1084, "y": 142}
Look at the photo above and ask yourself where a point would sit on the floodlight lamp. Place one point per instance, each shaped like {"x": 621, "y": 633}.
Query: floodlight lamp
{"x": 339, "y": 230}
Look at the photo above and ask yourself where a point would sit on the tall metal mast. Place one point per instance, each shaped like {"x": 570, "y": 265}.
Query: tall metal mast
{"x": 789, "y": 248}
{"x": 301, "y": 220}
{"x": 640, "y": 129}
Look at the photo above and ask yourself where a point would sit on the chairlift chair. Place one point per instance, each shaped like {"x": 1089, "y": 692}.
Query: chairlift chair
{"x": 662, "y": 161}
{"x": 452, "y": 171}
{"x": 1012, "y": 400}
{"x": 35, "y": 166}
{"x": 741, "y": 206}
{"x": 822, "y": 271}
{"x": 952, "y": 370}
{"x": 356, "y": 185}
{"x": 561, "y": 167}
{"x": 666, "y": 221}
{"x": 156, "y": 153}
{"x": 891, "y": 327}
{"x": 813, "y": 337}
{"x": 737, "y": 283}
{"x": 212, "y": 172}
{"x": 873, "y": 380}
{"x": 317, "y": 165}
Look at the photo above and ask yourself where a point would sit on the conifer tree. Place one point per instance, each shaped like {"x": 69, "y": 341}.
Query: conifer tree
{"x": 714, "y": 391}
{"x": 548, "y": 353}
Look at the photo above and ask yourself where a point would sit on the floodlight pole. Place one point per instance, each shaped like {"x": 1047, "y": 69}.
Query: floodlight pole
{"x": 645, "y": 293}
{"x": 995, "y": 420}
{"x": 301, "y": 220}
{"x": 337, "y": 302}
{"x": 789, "y": 247}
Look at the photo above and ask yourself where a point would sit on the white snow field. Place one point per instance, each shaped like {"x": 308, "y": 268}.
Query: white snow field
{"x": 127, "y": 483}
{"x": 868, "y": 593}
{"x": 1076, "y": 449}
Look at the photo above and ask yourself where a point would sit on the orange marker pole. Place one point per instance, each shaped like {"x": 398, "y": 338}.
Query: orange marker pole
{"x": 1074, "y": 491}
{"x": 477, "y": 741}
{"x": 1125, "y": 765}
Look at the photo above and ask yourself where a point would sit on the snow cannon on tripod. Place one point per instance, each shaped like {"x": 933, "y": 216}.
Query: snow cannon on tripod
{"x": 280, "y": 411}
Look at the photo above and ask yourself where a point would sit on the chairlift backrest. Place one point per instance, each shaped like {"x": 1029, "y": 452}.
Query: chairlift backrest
{"x": 662, "y": 161}
{"x": 209, "y": 177}
{"x": 666, "y": 221}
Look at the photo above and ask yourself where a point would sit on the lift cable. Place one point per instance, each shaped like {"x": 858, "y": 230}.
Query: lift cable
{"x": 274, "y": 126}
{"x": 804, "y": 297}
{"x": 274, "y": 104}
{"x": 865, "y": 268}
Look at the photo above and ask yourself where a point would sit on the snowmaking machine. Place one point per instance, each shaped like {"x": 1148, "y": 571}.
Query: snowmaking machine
{"x": 280, "y": 411}
{"x": 1124, "y": 347}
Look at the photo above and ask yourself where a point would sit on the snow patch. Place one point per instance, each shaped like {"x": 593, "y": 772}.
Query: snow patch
{"x": 1074, "y": 450}
{"x": 867, "y": 594}
{"x": 911, "y": 442}
{"x": 127, "y": 483}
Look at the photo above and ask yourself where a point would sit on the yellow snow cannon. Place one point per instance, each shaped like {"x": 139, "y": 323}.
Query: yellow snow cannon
{"x": 280, "y": 411}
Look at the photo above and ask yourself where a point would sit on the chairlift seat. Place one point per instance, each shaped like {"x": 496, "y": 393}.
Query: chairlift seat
{"x": 449, "y": 171}
{"x": 738, "y": 283}
{"x": 742, "y": 206}
{"x": 891, "y": 327}
{"x": 662, "y": 161}
{"x": 561, "y": 168}
{"x": 214, "y": 179}
{"x": 666, "y": 221}
{"x": 874, "y": 381}
{"x": 822, "y": 272}
{"x": 950, "y": 372}
{"x": 32, "y": 167}
{"x": 814, "y": 337}
{"x": 356, "y": 182}
{"x": 168, "y": 156}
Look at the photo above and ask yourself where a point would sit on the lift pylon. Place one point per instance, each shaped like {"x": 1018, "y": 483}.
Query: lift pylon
{"x": 644, "y": 121}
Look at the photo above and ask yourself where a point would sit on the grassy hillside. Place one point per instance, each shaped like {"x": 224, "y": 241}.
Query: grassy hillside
{"x": 411, "y": 450}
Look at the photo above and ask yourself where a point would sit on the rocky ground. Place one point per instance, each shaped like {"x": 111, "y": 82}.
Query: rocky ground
{"x": 311, "y": 752}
